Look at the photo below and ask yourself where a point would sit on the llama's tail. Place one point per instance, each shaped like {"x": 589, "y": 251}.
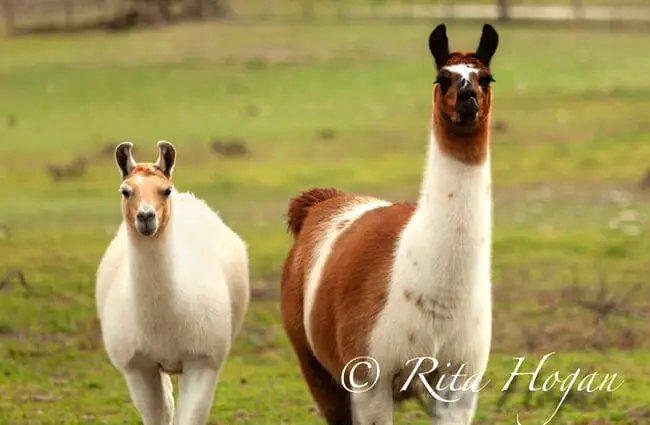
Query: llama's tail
{"x": 299, "y": 206}
{"x": 168, "y": 396}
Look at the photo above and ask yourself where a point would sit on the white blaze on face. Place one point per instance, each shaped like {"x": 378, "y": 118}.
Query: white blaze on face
{"x": 144, "y": 207}
{"x": 464, "y": 70}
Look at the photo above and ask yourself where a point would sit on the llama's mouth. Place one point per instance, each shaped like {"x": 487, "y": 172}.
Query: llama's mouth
{"x": 462, "y": 120}
{"x": 146, "y": 228}
{"x": 467, "y": 112}
{"x": 466, "y": 121}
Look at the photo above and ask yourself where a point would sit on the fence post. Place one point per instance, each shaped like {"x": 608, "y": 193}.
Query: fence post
{"x": 68, "y": 11}
{"x": 504, "y": 12}
{"x": 578, "y": 9}
{"x": 8, "y": 9}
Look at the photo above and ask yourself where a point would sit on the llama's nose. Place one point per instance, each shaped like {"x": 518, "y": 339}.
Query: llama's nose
{"x": 467, "y": 93}
{"x": 147, "y": 215}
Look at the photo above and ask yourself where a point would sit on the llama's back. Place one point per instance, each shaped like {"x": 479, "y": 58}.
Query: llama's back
{"x": 199, "y": 226}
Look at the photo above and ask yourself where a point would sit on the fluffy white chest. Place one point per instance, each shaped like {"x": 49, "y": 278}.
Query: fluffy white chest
{"x": 439, "y": 297}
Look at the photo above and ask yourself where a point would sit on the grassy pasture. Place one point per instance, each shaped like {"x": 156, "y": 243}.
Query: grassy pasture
{"x": 343, "y": 105}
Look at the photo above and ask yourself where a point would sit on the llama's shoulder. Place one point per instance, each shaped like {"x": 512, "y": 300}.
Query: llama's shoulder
{"x": 190, "y": 211}
{"x": 194, "y": 218}
{"x": 185, "y": 203}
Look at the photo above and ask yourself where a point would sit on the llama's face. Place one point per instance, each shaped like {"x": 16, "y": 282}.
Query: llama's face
{"x": 463, "y": 94}
{"x": 146, "y": 189}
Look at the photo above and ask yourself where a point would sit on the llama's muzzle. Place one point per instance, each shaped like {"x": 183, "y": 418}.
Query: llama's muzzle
{"x": 466, "y": 106}
{"x": 146, "y": 222}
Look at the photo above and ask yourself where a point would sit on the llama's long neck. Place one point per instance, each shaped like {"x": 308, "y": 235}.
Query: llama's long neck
{"x": 152, "y": 274}
{"x": 452, "y": 188}
{"x": 446, "y": 245}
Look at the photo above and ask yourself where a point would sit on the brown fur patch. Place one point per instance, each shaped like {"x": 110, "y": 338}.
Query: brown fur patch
{"x": 351, "y": 293}
{"x": 353, "y": 287}
{"x": 147, "y": 169}
{"x": 305, "y": 219}
{"x": 469, "y": 58}
{"x": 411, "y": 338}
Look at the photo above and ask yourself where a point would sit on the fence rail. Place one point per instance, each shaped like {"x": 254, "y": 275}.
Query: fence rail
{"x": 28, "y": 15}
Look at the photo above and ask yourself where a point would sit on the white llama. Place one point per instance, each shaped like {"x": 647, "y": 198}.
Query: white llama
{"x": 172, "y": 291}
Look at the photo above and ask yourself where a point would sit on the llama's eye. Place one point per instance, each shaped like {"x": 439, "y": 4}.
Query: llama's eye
{"x": 126, "y": 193}
{"x": 444, "y": 81}
{"x": 485, "y": 81}
{"x": 166, "y": 192}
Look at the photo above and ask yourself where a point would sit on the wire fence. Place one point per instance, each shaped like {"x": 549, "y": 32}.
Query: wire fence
{"x": 21, "y": 16}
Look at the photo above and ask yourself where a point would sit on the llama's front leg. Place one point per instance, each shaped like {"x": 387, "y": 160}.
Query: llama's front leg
{"x": 458, "y": 401}
{"x": 375, "y": 406}
{"x": 151, "y": 396}
{"x": 196, "y": 389}
{"x": 460, "y": 411}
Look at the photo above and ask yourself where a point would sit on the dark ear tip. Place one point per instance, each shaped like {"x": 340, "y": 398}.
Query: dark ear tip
{"x": 441, "y": 29}
{"x": 490, "y": 29}
{"x": 124, "y": 147}
{"x": 164, "y": 144}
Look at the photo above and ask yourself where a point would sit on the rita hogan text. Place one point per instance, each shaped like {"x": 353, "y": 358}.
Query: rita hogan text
{"x": 460, "y": 382}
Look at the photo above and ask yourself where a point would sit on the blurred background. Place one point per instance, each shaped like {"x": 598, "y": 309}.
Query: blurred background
{"x": 264, "y": 99}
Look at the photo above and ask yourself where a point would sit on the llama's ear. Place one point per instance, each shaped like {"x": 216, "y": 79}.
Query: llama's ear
{"x": 439, "y": 45}
{"x": 166, "y": 157}
{"x": 124, "y": 158}
{"x": 488, "y": 44}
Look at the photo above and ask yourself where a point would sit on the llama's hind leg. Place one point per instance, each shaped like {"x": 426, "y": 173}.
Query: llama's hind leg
{"x": 196, "y": 388}
{"x": 333, "y": 401}
{"x": 151, "y": 395}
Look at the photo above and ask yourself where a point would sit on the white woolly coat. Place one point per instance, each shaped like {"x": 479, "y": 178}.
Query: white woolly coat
{"x": 182, "y": 293}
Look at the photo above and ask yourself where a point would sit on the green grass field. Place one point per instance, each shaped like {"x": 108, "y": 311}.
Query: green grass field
{"x": 340, "y": 105}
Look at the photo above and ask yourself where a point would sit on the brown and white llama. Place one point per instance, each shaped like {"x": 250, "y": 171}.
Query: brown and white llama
{"x": 398, "y": 281}
{"x": 172, "y": 291}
